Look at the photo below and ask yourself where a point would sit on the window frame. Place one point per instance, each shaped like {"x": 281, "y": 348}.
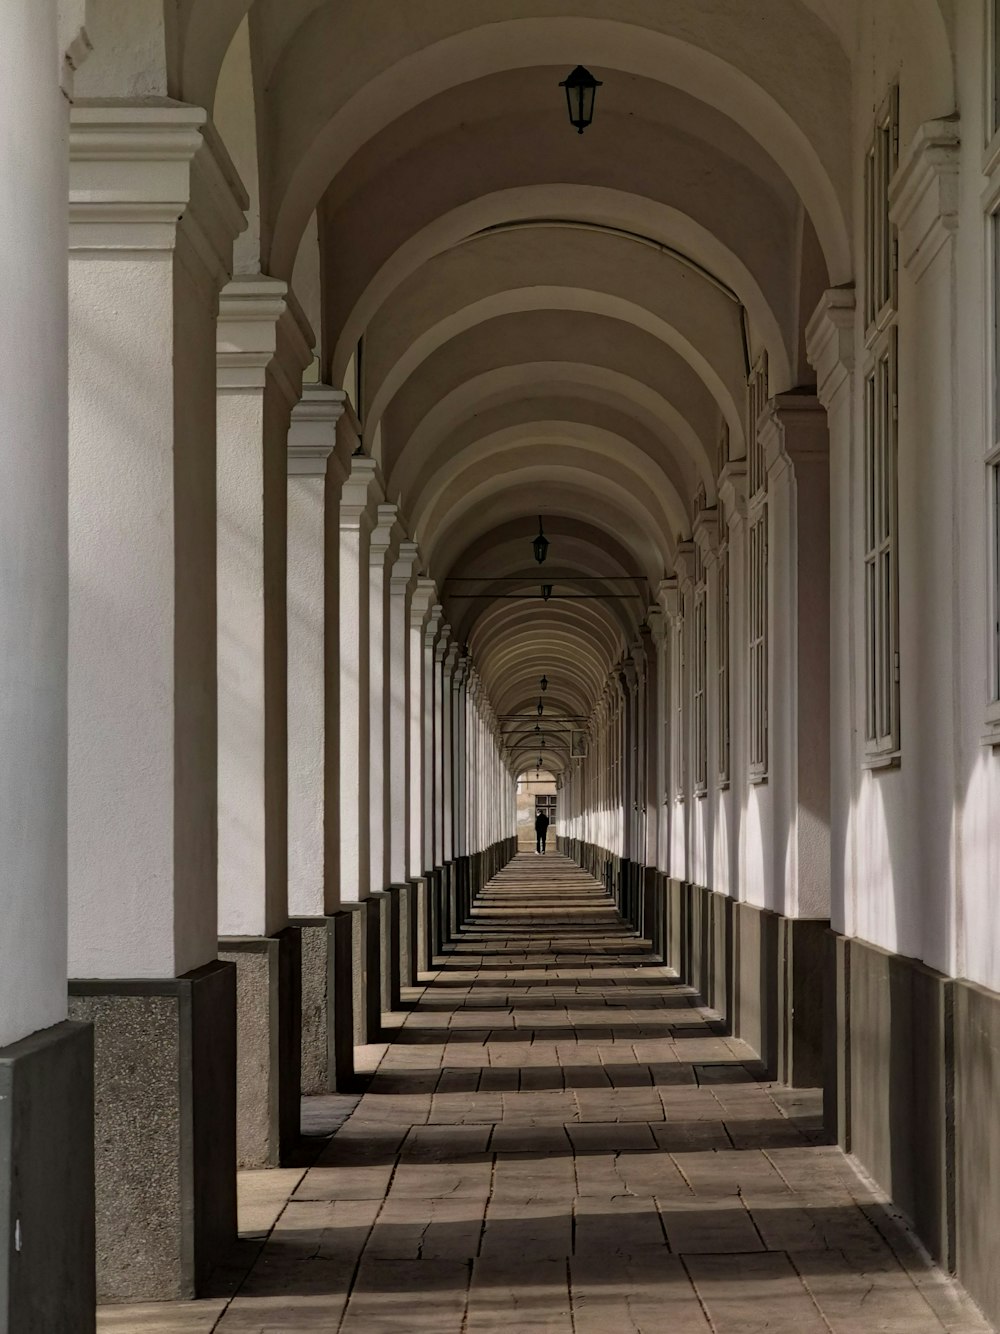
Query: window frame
{"x": 880, "y": 448}
{"x": 881, "y": 550}
{"x": 679, "y": 710}
{"x": 723, "y": 738}
{"x": 699, "y": 676}
{"x": 757, "y": 577}
{"x": 992, "y": 464}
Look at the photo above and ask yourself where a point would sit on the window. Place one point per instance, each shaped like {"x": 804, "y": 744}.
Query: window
{"x": 880, "y": 236}
{"x": 993, "y": 487}
{"x": 757, "y": 607}
{"x": 722, "y": 651}
{"x": 993, "y": 63}
{"x": 881, "y": 568}
{"x": 699, "y": 673}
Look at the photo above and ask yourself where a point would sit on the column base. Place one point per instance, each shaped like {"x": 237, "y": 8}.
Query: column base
{"x": 47, "y": 1282}
{"x": 389, "y": 929}
{"x": 327, "y": 1004}
{"x": 366, "y": 970}
{"x": 269, "y": 1044}
{"x": 165, "y": 1130}
{"x": 413, "y": 933}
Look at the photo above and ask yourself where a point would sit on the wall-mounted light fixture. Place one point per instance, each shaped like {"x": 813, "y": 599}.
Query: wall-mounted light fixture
{"x": 540, "y": 545}
{"x": 581, "y": 89}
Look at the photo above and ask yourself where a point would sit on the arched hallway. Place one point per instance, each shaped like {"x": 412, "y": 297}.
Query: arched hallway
{"x": 560, "y": 1138}
{"x": 423, "y": 420}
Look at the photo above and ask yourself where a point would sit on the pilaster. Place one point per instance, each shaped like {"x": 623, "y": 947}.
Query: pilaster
{"x": 361, "y": 491}
{"x": 312, "y": 440}
{"x": 154, "y": 208}
{"x": 263, "y": 345}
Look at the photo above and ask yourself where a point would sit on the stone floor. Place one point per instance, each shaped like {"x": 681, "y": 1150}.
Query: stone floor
{"x": 559, "y": 1139}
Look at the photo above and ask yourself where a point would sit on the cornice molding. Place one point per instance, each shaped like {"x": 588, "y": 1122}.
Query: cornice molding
{"x": 923, "y": 194}
{"x": 830, "y": 342}
{"x": 143, "y": 175}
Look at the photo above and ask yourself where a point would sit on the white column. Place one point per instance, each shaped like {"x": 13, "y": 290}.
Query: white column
{"x": 400, "y": 763}
{"x": 423, "y": 596}
{"x": 33, "y": 157}
{"x": 264, "y": 345}
{"x": 360, "y": 491}
{"x": 382, "y": 549}
{"x": 796, "y": 446}
{"x": 440, "y": 649}
{"x": 448, "y": 705}
{"x": 830, "y": 348}
{"x": 154, "y": 208}
{"x": 312, "y": 441}
{"x": 459, "y": 687}
{"x": 430, "y": 732}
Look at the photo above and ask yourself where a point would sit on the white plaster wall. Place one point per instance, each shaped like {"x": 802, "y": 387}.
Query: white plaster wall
{"x": 33, "y": 187}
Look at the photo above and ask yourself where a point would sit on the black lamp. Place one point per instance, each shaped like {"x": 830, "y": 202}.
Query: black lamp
{"x": 540, "y": 546}
{"x": 546, "y": 592}
{"x": 541, "y": 706}
{"x": 544, "y": 683}
{"x": 581, "y": 89}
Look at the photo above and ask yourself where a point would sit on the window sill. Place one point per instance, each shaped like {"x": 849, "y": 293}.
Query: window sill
{"x": 701, "y": 793}
{"x": 890, "y": 760}
{"x": 756, "y": 779}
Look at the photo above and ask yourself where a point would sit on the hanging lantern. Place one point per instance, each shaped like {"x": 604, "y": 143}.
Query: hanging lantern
{"x": 581, "y": 89}
{"x": 546, "y": 592}
{"x": 540, "y": 546}
{"x": 544, "y": 683}
{"x": 541, "y": 706}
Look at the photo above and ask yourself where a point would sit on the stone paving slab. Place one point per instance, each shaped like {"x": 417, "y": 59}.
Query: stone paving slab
{"x": 560, "y": 1140}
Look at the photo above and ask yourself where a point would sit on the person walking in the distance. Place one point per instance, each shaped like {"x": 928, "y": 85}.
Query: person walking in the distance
{"x": 541, "y": 829}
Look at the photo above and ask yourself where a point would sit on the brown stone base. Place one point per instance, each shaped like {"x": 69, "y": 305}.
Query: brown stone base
{"x": 165, "y": 1129}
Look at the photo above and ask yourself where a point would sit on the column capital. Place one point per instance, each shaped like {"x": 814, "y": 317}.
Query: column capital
{"x": 384, "y": 533}
{"x": 656, "y": 621}
{"x": 684, "y": 565}
{"x": 143, "y": 176}
{"x": 668, "y": 596}
{"x": 261, "y": 330}
{"x": 424, "y": 597}
{"x": 830, "y": 342}
{"x": 443, "y": 639}
{"x": 733, "y": 490}
{"x": 360, "y": 489}
{"x": 433, "y": 625}
{"x": 706, "y": 533}
{"x": 793, "y": 432}
{"x": 403, "y": 568}
{"x": 312, "y": 436}
{"x": 923, "y": 194}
